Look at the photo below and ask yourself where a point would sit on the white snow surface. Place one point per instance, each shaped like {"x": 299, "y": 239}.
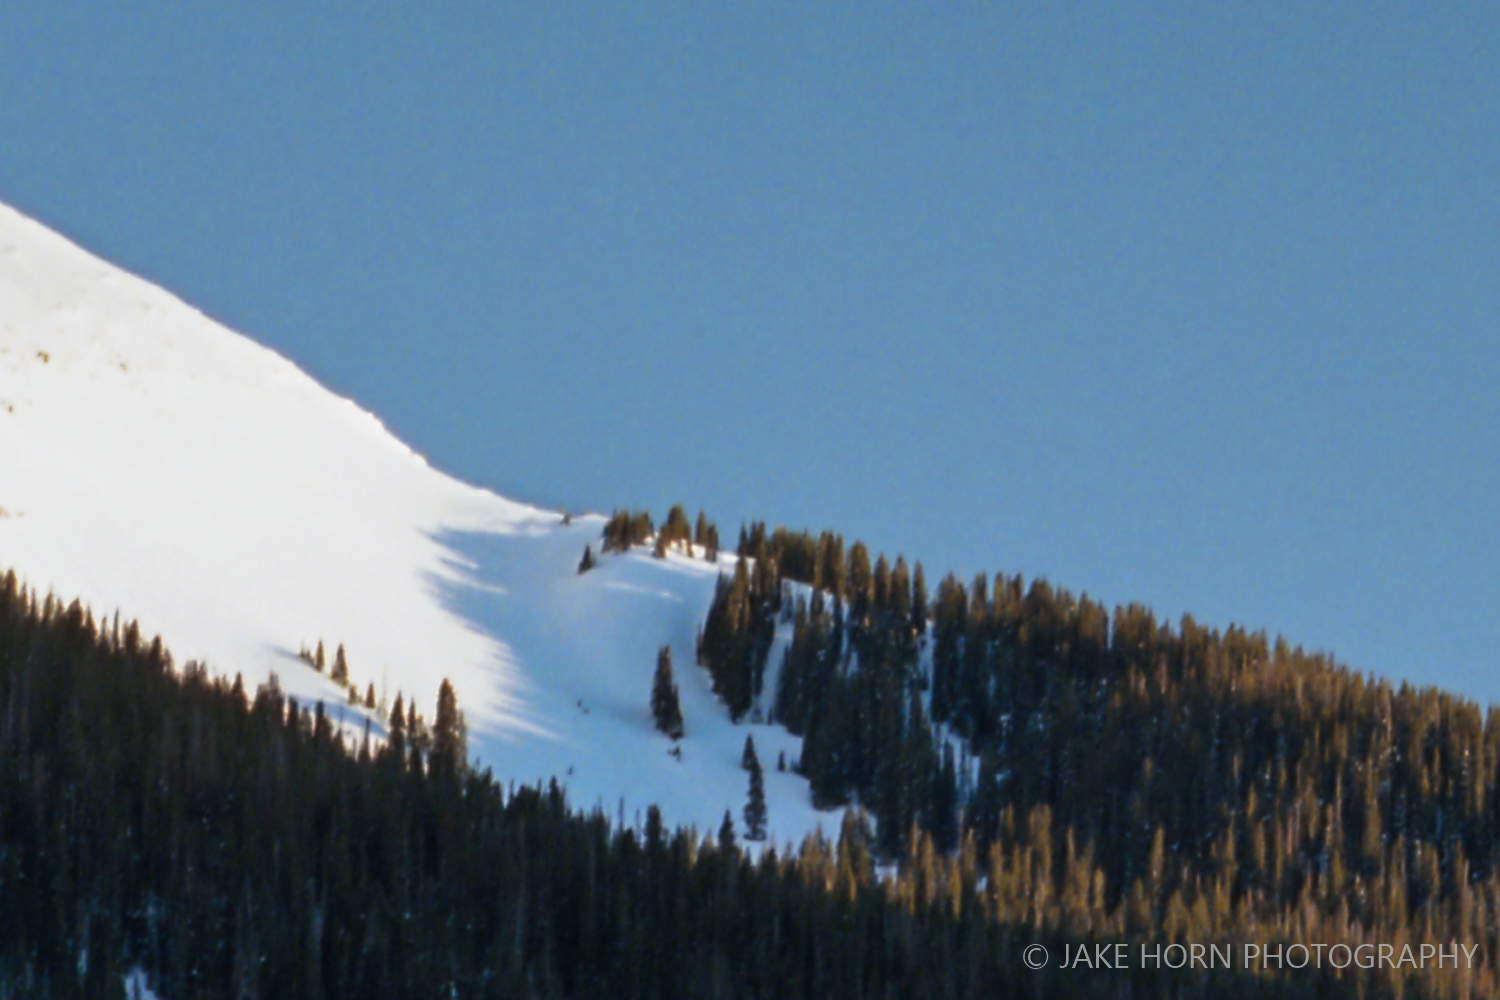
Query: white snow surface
{"x": 155, "y": 463}
{"x": 136, "y": 986}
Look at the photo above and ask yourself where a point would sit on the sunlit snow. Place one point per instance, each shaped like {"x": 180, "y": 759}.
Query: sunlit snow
{"x": 154, "y": 462}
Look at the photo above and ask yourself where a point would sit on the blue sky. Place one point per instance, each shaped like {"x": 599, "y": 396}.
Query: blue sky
{"x": 1193, "y": 304}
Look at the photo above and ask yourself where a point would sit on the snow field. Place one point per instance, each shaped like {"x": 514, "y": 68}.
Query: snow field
{"x": 158, "y": 464}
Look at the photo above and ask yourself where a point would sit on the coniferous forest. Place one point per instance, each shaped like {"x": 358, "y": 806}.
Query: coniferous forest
{"x": 1037, "y": 768}
{"x": 1177, "y": 783}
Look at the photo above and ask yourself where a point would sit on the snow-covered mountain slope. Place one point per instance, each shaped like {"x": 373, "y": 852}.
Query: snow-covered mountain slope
{"x": 154, "y": 462}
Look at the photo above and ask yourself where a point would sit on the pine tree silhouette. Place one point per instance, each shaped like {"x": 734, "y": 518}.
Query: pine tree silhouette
{"x": 755, "y": 806}
{"x": 450, "y": 739}
{"x": 666, "y": 708}
{"x": 396, "y": 741}
{"x": 726, "y": 832}
{"x": 749, "y": 759}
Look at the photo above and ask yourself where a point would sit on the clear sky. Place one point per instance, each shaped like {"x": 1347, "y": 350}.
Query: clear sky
{"x": 1188, "y": 303}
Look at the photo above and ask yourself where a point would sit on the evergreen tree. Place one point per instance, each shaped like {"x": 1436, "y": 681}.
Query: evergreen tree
{"x": 749, "y": 760}
{"x": 880, "y": 588}
{"x": 918, "y": 600}
{"x": 396, "y": 738}
{"x": 616, "y": 534}
{"x": 861, "y": 583}
{"x": 900, "y": 593}
{"x": 641, "y": 528}
{"x": 832, "y": 571}
{"x": 706, "y": 536}
{"x": 726, "y": 832}
{"x": 450, "y": 750}
{"x": 755, "y": 805}
{"x": 588, "y": 561}
{"x": 340, "y": 673}
{"x": 666, "y": 708}
{"x": 677, "y": 529}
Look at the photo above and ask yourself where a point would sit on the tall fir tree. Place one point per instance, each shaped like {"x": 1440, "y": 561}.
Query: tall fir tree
{"x": 918, "y": 600}
{"x": 450, "y": 739}
{"x": 726, "y": 832}
{"x": 755, "y": 805}
{"x": 666, "y": 707}
{"x": 749, "y": 759}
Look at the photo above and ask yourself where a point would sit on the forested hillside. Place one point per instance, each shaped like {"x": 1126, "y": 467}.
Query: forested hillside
{"x": 1179, "y": 781}
{"x": 228, "y": 845}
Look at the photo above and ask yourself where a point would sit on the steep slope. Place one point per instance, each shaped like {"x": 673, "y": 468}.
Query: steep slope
{"x": 154, "y": 462}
